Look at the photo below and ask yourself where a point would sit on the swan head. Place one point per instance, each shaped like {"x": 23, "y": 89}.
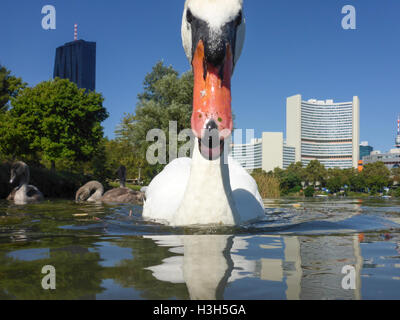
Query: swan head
{"x": 213, "y": 36}
{"x": 19, "y": 170}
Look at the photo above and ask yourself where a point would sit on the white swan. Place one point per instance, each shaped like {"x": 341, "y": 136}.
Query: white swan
{"x": 208, "y": 189}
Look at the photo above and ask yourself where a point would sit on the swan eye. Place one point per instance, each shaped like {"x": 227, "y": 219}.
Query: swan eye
{"x": 189, "y": 16}
{"x": 239, "y": 18}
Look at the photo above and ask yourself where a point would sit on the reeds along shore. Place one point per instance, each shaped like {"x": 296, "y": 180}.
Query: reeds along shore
{"x": 268, "y": 186}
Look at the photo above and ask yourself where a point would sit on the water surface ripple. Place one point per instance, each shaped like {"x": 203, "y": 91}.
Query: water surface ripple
{"x": 297, "y": 251}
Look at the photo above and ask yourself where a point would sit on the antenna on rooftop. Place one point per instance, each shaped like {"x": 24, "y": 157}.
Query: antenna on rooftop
{"x": 75, "y": 32}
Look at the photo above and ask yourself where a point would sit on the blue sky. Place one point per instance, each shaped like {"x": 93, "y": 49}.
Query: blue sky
{"x": 291, "y": 47}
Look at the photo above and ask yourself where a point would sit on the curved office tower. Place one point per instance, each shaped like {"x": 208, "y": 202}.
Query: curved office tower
{"x": 248, "y": 155}
{"x": 324, "y": 130}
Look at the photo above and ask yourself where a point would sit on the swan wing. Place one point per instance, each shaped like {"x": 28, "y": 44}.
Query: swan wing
{"x": 12, "y": 194}
{"x": 165, "y": 192}
{"x": 122, "y": 195}
{"x": 245, "y": 193}
{"x": 33, "y": 194}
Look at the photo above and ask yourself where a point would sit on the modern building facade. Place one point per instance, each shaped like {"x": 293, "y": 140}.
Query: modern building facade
{"x": 248, "y": 155}
{"x": 324, "y": 130}
{"x": 76, "y": 61}
{"x": 391, "y": 159}
{"x": 315, "y": 130}
{"x": 276, "y": 152}
{"x": 266, "y": 153}
{"x": 365, "y": 149}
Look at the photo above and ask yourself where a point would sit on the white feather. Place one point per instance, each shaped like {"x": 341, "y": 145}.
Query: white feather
{"x": 186, "y": 193}
{"x": 166, "y": 191}
{"x": 216, "y": 13}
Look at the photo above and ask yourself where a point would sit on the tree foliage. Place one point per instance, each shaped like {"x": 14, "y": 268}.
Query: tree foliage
{"x": 10, "y": 86}
{"x": 166, "y": 97}
{"x": 315, "y": 172}
{"x": 376, "y": 176}
{"x": 55, "y": 119}
{"x": 336, "y": 179}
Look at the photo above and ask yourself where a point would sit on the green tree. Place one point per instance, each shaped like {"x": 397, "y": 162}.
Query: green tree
{"x": 376, "y": 176}
{"x": 166, "y": 97}
{"x": 122, "y": 152}
{"x": 356, "y": 181}
{"x": 279, "y": 173}
{"x": 309, "y": 192}
{"x": 336, "y": 179}
{"x": 10, "y": 86}
{"x": 395, "y": 175}
{"x": 293, "y": 177}
{"x": 55, "y": 119}
{"x": 150, "y": 89}
{"x": 315, "y": 172}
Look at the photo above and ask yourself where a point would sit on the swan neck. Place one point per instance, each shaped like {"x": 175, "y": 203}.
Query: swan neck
{"x": 208, "y": 197}
{"x": 23, "y": 182}
{"x": 24, "y": 177}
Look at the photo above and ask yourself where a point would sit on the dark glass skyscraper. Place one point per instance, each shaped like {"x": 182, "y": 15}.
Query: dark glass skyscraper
{"x": 365, "y": 149}
{"x": 76, "y": 61}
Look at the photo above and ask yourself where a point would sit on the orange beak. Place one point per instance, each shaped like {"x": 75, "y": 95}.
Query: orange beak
{"x": 212, "y": 95}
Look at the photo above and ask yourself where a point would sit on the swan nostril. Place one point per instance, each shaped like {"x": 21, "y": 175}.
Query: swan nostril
{"x": 211, "y": 137}
{"x": 211, "y": 125}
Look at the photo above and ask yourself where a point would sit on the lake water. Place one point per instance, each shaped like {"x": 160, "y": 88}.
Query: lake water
{"x": 297, "y": 252}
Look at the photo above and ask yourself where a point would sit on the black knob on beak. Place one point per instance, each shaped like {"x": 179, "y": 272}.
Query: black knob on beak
{"x": 211, "y": 125}
{"x": 215, "y": 54}
{"x": 211, "y": 135}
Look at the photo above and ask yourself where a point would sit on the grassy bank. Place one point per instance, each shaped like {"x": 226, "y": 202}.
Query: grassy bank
{"x": 58, "y": 184}
{"x": 268, "y": 186}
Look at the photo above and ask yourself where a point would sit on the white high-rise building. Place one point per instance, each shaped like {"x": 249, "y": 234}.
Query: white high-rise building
{"x": 266, "y": 153}
{"x": 324, "y": 130}
{"x": 315, "y": 130}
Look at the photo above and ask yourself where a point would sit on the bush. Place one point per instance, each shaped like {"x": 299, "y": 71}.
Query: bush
{"x": 395, "y": 192}
{"x": 309, "y": 192}
{"x": 296, "y": 189}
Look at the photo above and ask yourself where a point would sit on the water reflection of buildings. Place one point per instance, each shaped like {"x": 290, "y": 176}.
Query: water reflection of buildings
{"x": 308, "y": 267}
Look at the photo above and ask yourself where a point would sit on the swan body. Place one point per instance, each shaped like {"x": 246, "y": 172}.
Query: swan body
{"x": 122, "y": 195}
{"x": 24, "y": 193}
{"x": 208, "y": 189}
{"x": 185, "y": 194}
{"x": 93, "y": 192}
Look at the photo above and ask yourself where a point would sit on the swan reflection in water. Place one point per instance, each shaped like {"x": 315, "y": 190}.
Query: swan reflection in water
{"x": 208, "y": 263}
{"x": 304, "y": 267}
